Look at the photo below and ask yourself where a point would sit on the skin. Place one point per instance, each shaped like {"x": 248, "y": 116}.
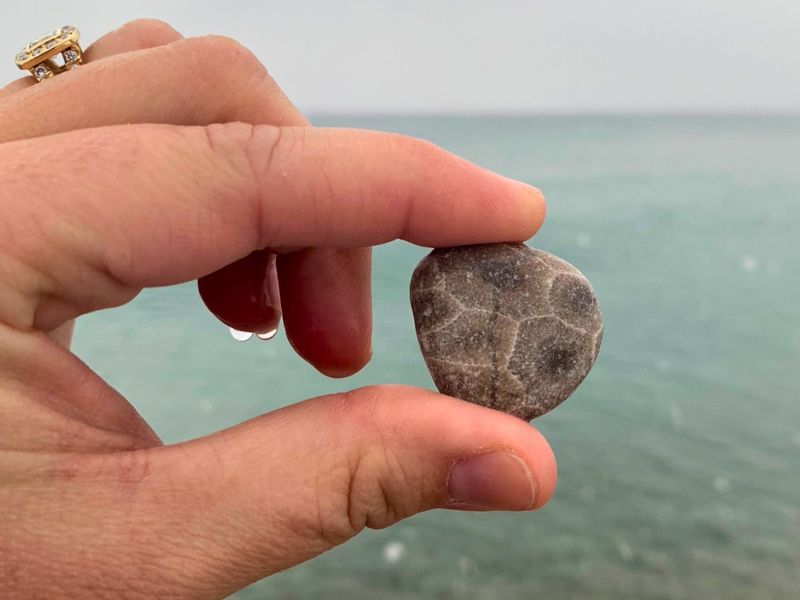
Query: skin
{"x": 178, "y": 157}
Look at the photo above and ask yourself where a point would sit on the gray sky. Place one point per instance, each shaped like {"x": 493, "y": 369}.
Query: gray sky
{"x": 501, "y": 56}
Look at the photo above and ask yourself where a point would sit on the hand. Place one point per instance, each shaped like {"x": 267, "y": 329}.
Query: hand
{"x": 158, "y": 162}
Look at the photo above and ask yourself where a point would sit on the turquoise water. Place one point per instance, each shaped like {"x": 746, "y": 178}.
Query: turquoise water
{"x": 679, "y": 457}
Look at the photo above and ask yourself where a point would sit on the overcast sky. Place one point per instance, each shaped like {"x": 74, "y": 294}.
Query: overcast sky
{"x": 497, "y": 56}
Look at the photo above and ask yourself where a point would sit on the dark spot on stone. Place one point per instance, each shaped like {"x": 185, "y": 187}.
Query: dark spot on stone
{"x": 573, "y": 300}
{"x": 581, "y": 298}
{"x": 572, "y": 293}
{"x": 557, "y": 357}
{"x": 503, "y": 275}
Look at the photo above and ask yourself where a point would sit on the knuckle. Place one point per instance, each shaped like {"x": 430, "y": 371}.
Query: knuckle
{"x": 421, "y": 158}
{"x": 232, "y": 144}
{"x": 226, "y": 53}
{"x": 251, "y": 151}
{"x": 222, "y": 135}
{"x": 373, "y": 484}
{"x": 150, "y": 32}
{"x": 416, "y": 148}
{"x": 268, "y": 144}
{"x": 233, "y": 70}
{"x": 254, "y": 148}
{"x": 223, "y": 44}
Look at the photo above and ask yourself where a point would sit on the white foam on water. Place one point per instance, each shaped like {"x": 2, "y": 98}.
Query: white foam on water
{"x": 726, "y": 513}
{"x": 749, "y": 263}
{"x": 722, "y": 484}
{"x": 466, "y": 565}
{"x": 676, "y": 412}
{"x": 394, "y": 552}
{"x": 625, "y": 551}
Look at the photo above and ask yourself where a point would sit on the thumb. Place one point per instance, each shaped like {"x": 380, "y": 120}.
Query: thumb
{"x": 276, "y": 491}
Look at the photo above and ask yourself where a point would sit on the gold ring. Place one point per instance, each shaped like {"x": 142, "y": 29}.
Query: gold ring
{"x": 54, "y": 53}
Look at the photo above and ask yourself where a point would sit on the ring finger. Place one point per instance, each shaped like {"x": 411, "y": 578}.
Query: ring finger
{"x": 135, "y": 35}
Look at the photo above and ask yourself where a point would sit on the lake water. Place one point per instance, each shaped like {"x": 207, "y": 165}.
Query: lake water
{"x": 679, "y": 457}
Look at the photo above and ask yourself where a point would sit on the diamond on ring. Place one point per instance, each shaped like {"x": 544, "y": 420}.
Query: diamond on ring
{"x": 41, "y": 72}
{"x": 52, "y": 54}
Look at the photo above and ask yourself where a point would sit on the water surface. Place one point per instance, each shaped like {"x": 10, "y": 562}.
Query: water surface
{"x": 679, "y": 457}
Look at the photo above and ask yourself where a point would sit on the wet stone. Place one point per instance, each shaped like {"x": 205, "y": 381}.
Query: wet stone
{"x": 505, "y": 326}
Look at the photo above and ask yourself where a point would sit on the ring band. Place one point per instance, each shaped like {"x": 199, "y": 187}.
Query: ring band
{"x": 41, "y": 57}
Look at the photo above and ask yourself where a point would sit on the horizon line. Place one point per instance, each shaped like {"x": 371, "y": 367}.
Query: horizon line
{"x": 556, "y": 113}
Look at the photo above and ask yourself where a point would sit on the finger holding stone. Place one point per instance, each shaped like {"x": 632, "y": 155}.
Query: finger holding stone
{"x": 228, "y": 190}
{"x": 204, "y": 518}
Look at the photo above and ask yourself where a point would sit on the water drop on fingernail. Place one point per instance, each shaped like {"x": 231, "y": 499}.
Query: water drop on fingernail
{"x": 240, "y": 336}
{"x": 268, "y": 335}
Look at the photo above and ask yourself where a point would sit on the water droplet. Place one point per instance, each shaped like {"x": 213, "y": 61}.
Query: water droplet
{"x": 268, "y": 336}
{"x": 240, "y": 336}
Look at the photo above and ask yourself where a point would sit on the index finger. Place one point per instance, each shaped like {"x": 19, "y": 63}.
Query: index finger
{"x": 151, "y": 205}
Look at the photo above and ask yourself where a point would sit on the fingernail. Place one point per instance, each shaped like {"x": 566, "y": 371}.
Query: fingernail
{"x": 492, "y": 481}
